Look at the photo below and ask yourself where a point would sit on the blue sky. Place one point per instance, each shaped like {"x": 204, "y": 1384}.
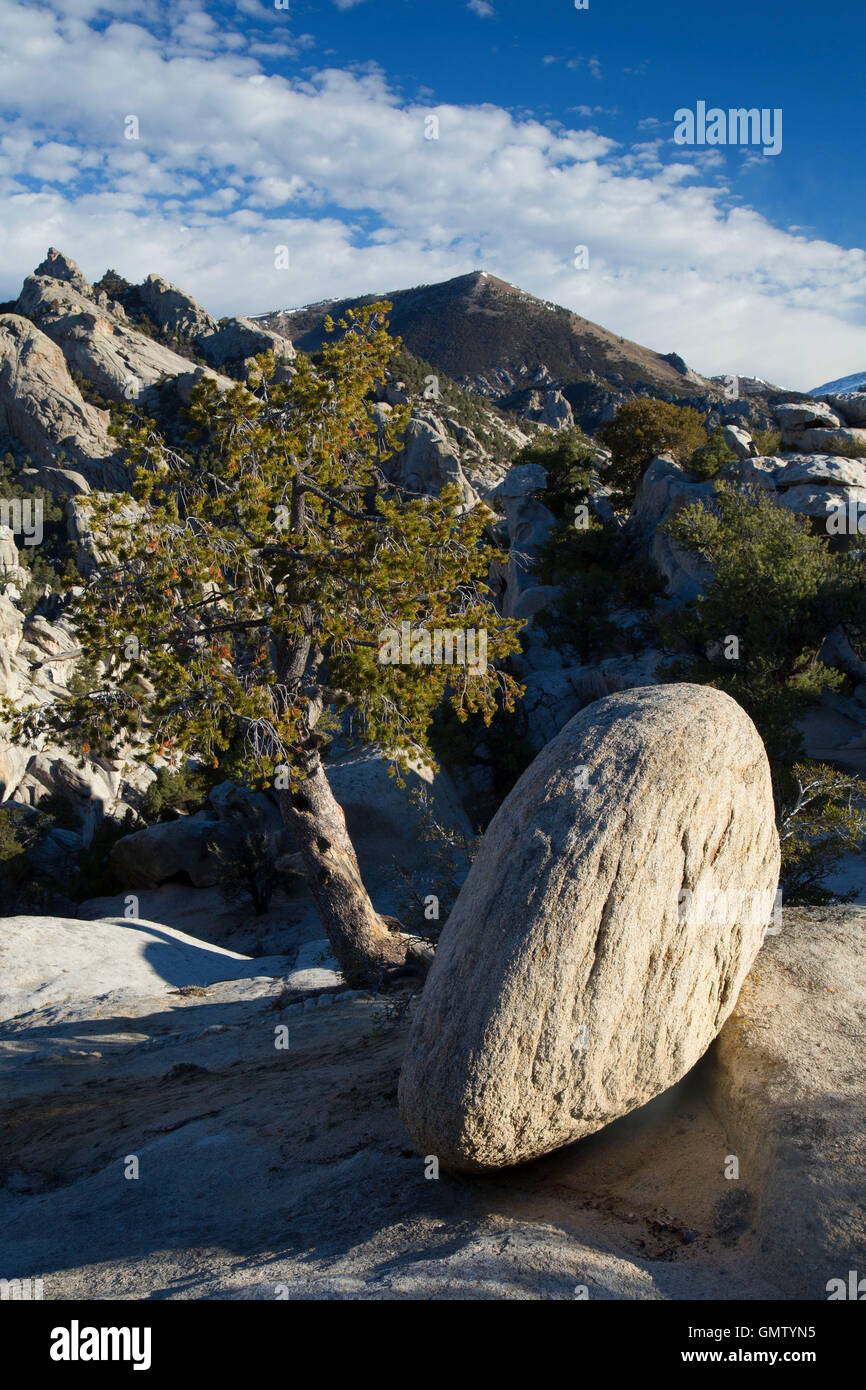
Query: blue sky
{"x": 304, "y": 127}
{"x": 650, "y": 58}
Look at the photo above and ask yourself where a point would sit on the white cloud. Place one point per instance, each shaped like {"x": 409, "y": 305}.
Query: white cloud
{"x": 336, "y": 166}
{"x": 483, "y": 8}
{"x": 584, "y": 110}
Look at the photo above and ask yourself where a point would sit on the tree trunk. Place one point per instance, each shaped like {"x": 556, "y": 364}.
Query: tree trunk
{"x": 361, "y": 940}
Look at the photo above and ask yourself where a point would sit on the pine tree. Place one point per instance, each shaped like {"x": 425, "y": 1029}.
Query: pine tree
{"x": 252, "y": 587}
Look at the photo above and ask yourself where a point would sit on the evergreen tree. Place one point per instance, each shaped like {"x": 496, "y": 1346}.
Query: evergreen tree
{"x": 255, "y": 584}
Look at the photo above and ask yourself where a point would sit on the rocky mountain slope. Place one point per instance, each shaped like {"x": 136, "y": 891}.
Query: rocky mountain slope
{"x": 68, "y": 351}
{"x": 525, "y": 353}
{"x": 855, "y": 382}
{"x": 495, "y": 337}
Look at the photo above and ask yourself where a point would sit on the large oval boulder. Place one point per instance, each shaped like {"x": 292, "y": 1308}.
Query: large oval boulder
{"x": 618, "y": 900}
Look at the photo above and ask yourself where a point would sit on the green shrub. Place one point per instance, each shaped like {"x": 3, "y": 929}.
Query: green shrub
{"x": 181, "y": 792}
{"x": 249, "y": 873}
{"x": 569, "y": 459}
{"x": 60, "y": 810}
{"x": 848, "y": 449}
{"x": 52, "y": 563}
{"x": 24, "y": 883}
{"x": 599, "y": 568}
{"x": 582, "y": 618}
{"x": 22, "y": 887}
{"x": 767, "y": 442}
{"x": 777, "y": 589}
{"x": 13, "y": 842}
{"x": 114, "y": 285}
{"x": 710, "y": 458}
{"x": 507, "y": 754}
{"x": 93, "y": 876}
{"x": 89, "y": 392}
{"x": 644, "y": 428}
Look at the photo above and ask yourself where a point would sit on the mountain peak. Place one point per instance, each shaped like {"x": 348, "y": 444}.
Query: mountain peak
{"x": 494, "y": 337}
{"x": 56, "y": 266}
{"x": 855, "y": 382}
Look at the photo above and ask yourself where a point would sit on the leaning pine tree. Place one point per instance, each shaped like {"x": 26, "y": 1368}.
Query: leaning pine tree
{"x": 251, "y": 587}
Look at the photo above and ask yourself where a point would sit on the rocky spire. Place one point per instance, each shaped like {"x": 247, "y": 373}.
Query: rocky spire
{"x": 59, "y": 267}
